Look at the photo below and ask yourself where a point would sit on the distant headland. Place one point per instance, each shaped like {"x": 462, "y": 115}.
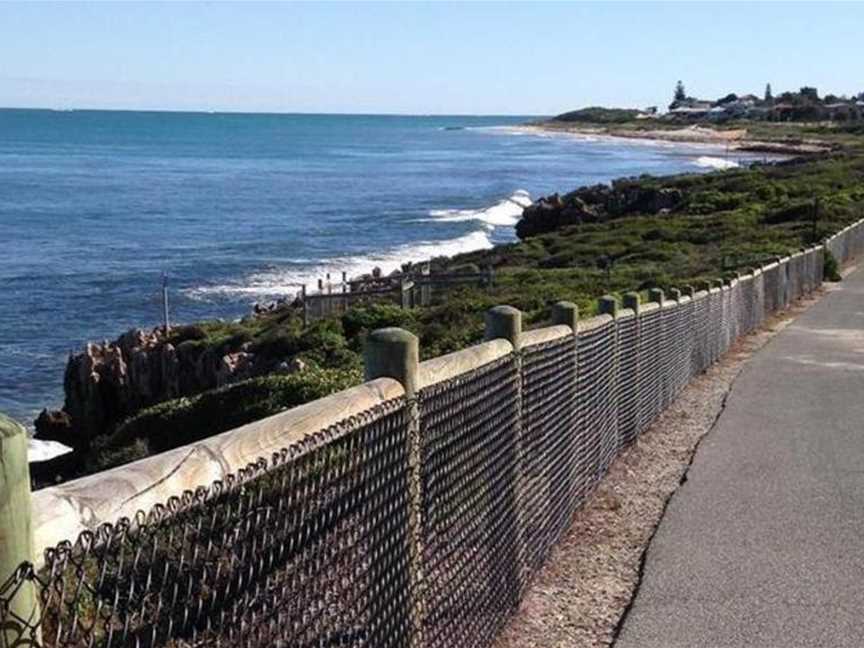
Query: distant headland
{"x": 740, "y": 122}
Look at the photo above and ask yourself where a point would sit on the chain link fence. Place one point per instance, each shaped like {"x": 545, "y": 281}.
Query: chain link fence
{"x": 323, "y": 544}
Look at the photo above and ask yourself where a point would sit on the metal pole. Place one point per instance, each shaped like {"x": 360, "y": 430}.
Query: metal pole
{"x": 165, "y": 302}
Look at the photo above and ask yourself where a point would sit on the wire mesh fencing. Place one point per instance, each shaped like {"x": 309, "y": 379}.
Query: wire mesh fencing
{"x": 308, "y": 548}
{"x": 473, "y": 543}
{"x": 323, "y": 543}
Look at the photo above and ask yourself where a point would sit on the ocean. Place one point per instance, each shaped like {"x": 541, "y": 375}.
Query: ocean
{"x": 238, "y": 208}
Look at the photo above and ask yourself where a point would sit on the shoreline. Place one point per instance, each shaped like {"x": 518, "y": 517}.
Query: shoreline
{"x": 732, "y": 140}
{"x": 270, "y": 287}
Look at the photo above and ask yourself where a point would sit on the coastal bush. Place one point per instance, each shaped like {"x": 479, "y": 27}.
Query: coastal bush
{"x": 362, "y": 319}
{"x": 598, "y": 115}
{"x": 830, "y": 267}
{"x": 181, "y": 421}
{"x": 719, "y": 223}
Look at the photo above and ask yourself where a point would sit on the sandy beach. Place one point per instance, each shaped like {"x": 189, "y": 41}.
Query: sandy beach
{"x": 737, "y": 139}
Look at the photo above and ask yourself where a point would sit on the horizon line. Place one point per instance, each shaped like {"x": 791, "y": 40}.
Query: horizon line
{"x": 269, "y": 112}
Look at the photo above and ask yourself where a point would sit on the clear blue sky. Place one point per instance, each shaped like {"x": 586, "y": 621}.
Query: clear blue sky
{"x": 479, "y": 58}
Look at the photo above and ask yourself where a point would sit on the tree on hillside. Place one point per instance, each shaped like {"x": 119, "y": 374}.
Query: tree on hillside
{"x": 810, "y": 93}
{"x": 680, "y": 92}
{"x": 769, "y": 97}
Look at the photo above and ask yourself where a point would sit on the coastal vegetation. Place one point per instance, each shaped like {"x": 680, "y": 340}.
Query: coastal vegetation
{"x": 635, "y": 234}
{"x": 599, "y": 115}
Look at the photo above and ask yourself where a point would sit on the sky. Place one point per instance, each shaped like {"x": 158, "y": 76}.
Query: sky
{"x": 418, "y": 58}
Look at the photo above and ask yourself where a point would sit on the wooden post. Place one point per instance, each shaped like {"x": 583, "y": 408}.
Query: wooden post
{"x": 608, "y": 305}
{"x": 406, "y": 289}
{"x": 426, "y": 285}
{"x": 16, "y": 535}
{"x": 395, "y": 353}
{"x": 565, "y": 312}
{"x": 305, "y": 310}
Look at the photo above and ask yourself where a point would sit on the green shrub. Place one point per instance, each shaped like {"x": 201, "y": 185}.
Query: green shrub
{"x": 363, "y": 319}
{"x": 830, "y": 268}
{"x": 185, "y": 420}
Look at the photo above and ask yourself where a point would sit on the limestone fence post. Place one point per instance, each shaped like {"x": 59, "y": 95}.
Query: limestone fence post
{"x": 608, "y": 305}
{"x": 633, "y": 302}
{"x": 566, "y": 313}
{"x": 16, "y": 538}
{"x": 506, "y": 322}
{"x": 395, "y": 353}
{"x": 656, "y": 295}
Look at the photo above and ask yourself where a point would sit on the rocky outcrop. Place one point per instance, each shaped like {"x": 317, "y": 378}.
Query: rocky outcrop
{"x": 594, "y": 204}
{"x": 110, "y": 381}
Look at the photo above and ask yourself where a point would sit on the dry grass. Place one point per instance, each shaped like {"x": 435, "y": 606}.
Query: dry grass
{"x": 579, "y": 597}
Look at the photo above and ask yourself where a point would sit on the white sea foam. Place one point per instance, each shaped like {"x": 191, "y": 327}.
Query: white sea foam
{"x": 504, "y": 213}
{"x": 708, "y": 162}
{"x": 38, "y": 450}
{"x": 283, "y": 282}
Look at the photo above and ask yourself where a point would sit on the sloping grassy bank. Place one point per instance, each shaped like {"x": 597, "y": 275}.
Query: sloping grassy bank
{"x": 722, "y": 222}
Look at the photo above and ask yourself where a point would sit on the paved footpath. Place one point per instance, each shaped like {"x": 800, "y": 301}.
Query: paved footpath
{"x": 763, "y": 545}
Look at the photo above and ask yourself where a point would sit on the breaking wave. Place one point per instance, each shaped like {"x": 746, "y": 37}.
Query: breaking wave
{"x": 285, "y": 282}
{"x": 708, "y": 162}
{"x": 503, "y": 213}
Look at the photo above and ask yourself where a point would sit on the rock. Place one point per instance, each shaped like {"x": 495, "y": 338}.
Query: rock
{"x": 55, "y": 425}
{"x": 292, "y": 366}
{"x": 596, "y": 203}
{"x": 232, "y": 367}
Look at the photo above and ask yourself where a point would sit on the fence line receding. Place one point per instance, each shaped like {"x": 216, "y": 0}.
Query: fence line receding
{"x": 413, "y": 510}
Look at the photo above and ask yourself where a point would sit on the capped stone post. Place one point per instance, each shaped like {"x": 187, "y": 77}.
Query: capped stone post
{"x": 633, "y": 302}
{"x": 565, "y": 312}
{"x": 608, "y": 305}
{"x": 505, "y": 322}
{"x": 656, "y": 295}
{"x": 395, "y": 353}
{"x": 16, "y": 535}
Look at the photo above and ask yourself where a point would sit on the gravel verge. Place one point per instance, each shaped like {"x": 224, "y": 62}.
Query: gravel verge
{"x": 582, "y": 593}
